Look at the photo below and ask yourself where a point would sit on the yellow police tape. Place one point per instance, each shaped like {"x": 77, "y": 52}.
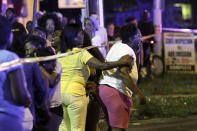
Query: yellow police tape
{"x": 17, "y": 62}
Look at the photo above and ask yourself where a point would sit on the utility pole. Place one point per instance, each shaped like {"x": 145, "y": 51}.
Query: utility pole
{"x": 84, "y": 12}
{"x": 101, "y": 14}
{"x": 96, "y": 6}
{"x": 158, "y": 6}
{"x": 34, "y": 13}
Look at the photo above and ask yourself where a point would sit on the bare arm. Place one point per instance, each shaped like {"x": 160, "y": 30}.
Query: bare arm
{"x": 95, "y": 63}
{"x": 123, "y": 74}
{"x": 42, "y": 84}
{"x": 46, "y": 80}
{"x": 53, "y": 78}
{"x": 19, "y": 89}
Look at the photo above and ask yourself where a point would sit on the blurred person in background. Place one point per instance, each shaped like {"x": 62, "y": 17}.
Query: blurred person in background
{"x": 35, "y": 81}
{"x": 136, "y": 42}
{"x": 131, "y": 20}
{"x": 39, "y": 31}
{"x": 110, "y": 31}
{"x": 137, "y": 45}
{"x": 52, "y": 70}
{"x": 19, "y": 32}
{"x": 32, "y": 43}
{"x": 29, "y": 26}
{"x": 61, "y": 18}
{"x": 57, "y": 39}
{"x": 39, "y": 15}
{"x": 101, "y": 32}
{"x": 146, "y": 27}
{"x": 72, "y": 21}
{"x": 64, "y": 21}
{"x": 90, "y": 25}
{"x": 50, "y": 22}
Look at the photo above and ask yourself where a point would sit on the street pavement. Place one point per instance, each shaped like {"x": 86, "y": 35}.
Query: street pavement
{"x": 188, "y": 123}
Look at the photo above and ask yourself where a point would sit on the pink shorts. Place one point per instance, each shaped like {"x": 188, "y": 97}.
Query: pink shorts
{"x": 118, "y": 106}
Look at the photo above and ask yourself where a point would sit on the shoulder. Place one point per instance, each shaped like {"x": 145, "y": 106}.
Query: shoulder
{"x": 85, "y": 53}
{"x": 129, "y": 51}
{"x": 8, "y": 55}
{"x": 120, "y": 49}
{"x": 85, "y": 56}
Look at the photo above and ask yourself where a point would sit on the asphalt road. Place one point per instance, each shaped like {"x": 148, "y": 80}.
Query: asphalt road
{"x": 160, "y": 124}
{"x": 165, "y": 124}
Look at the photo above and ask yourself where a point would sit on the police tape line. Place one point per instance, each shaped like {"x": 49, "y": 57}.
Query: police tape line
{"x": 171, "y": 30}
{"x": 6, "y": 65}
{"x": 180, "y": 30}
{"x": 17, "y": 62}
{"x": 185, "y": 30}
{"x": 149, "y": 36}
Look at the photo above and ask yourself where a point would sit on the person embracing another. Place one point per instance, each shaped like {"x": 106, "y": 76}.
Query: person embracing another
{"x": 75, "y": 75}
{"x": 117, "y": 85}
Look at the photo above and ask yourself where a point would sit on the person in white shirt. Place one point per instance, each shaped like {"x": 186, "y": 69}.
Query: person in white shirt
{"x": 117, "y": 85}
{"x": 100, "y": 34}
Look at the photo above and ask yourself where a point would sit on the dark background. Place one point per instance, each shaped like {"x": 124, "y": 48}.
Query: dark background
{"x": 117, "y": 11}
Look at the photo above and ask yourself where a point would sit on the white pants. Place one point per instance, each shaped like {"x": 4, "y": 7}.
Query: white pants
{"x": 28, "y": 120}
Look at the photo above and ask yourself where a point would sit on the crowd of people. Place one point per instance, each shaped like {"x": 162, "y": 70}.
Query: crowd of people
{"x": 69, "y": 93}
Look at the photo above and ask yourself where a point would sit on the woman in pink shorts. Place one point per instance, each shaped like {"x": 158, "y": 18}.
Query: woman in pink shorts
{"x": 117, "y": 85}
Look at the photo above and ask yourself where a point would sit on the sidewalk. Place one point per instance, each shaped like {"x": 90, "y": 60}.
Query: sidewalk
{"x": 160, "y": 124}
